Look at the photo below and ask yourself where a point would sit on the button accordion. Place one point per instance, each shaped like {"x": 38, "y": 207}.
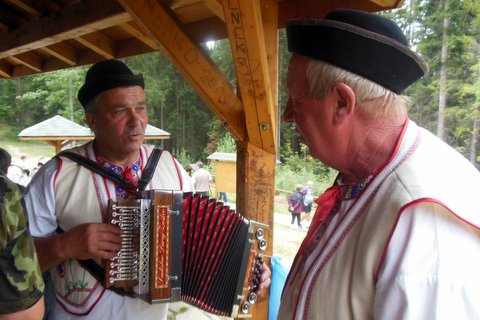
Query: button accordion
{"x": 182, "y": 247}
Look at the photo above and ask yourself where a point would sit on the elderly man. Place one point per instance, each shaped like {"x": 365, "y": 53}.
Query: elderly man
{"x": 397, "y": 235}
{"x": 67, "y": 197}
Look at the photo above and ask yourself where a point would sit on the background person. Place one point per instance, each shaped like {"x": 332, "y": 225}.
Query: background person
{"x": 397, "y": 235}
{"x": 307, "y": 203}
{"x": 5, "y": 162}
{"x": 21, "y": 283}
{"x": 201, "y": 179}
{"x": 295, "y": 205}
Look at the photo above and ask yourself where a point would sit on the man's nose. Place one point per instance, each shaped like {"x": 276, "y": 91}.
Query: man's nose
{"x": 133, "y": 116}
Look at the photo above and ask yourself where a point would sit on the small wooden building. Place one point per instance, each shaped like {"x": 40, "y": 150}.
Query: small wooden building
{"x": 225, "y": 172}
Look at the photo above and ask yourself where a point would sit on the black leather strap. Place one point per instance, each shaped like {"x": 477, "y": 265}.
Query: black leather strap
{"x": 147, "y": 173}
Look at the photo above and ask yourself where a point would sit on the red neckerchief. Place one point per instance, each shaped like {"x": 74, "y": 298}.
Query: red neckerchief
{"x": 326, "y": 203}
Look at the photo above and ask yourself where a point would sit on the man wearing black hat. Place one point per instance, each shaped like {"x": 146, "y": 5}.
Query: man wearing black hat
{"x": 66, "y": 201}
{"x": 397, "y": 235}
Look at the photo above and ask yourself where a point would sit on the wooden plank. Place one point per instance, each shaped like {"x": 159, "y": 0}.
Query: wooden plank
{"x": 62, "y": 51}
{"x": 270, "y": 29}
{"x": 30, "y": 60}
{"x": 297, "y": 9}
{"x": 27, "y": 6}
{"x": 207, "y": 30}
{"x": 11, "y": 20}
{"x": 247, "y": 39}
{"x": 5, "y": 69}
{"x": 99, "y": 43}
{"x": 190, "y": 59}
{"x": 138, "y": 33}
{"x": 388, "y": 4}
{"x": 73, "y": 21}
{"x": 216, "y": 7}
{"x": 255, "y": 199}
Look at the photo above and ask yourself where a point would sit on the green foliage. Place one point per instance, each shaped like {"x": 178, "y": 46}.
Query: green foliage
{"x": 227, "y": 144}
{"x": 296, "y": 169}
{"x": 183, "y": 157}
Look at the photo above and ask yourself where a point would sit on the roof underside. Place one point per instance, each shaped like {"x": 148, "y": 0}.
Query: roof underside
{"x": 45, "y": 35}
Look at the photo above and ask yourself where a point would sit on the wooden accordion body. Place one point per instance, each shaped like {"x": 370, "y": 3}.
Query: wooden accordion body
{"x": 186, "y": 247}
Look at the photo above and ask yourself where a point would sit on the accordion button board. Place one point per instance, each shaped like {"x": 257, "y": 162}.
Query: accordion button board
{"x": 183, "y": 247}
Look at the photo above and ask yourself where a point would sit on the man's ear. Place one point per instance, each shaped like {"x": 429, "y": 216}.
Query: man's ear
{"x": 345, "y": 102}
{"x": 90, "y": 120}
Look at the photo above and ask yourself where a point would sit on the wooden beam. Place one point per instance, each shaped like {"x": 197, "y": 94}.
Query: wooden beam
{"x": 190, "y": 59}
{"x": 10, "y": 19}
{"x": 99, "y": 43}
{"x": 255, "y": 200}
{"x": 389, "y": 4}
{"x": 5, "y": 69}
{"x": 30, "y": 60}
{"x": 297, "y": 9}
{"x": 62, "y": 51}
{"x": 131, "y": 47}
{"x": 138, "y": 33}
{"x": 27, "y": 6}
{"x": 73, "y": 21}
{"x": 207, "y": 30}
{"x": 216, "y": 7}
{"x": 247, "y": 41}
{"x": 270, "y": 29}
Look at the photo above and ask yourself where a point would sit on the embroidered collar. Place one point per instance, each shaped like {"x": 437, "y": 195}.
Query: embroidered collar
{"x": 134, "y": 169}
{"x": 349, "y": 191}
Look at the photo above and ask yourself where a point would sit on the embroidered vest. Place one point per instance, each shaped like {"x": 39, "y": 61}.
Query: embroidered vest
{"x": 341, "y": 281}
{"x": 81, "y": 197}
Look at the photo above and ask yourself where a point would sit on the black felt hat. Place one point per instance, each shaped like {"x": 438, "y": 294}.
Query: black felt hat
{"x": 107, "y": 75}
{"x": 366, "y": 44}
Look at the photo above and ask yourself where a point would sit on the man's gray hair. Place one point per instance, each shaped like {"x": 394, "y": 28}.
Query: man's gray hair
{"x": 91, "y": 106}
{"x": 374, "y": 99}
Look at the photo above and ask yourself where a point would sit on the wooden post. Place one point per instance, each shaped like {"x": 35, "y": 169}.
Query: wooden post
{"x": 255, "y": 198}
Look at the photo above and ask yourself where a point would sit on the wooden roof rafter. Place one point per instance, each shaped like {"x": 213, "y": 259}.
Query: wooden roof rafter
{"x": 195, "y": 65}
{"x": 248, "y": 45}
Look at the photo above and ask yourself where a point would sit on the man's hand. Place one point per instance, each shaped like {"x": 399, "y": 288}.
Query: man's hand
{"x": 265, "y": 278}
{"x": 93, "y": 240}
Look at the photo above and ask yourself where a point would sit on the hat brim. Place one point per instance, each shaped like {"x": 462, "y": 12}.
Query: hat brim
{"x": 91, "y": 89}
{"x": 378, "y": 58}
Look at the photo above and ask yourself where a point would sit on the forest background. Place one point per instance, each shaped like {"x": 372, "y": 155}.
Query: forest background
{"x": 446, "y": 101}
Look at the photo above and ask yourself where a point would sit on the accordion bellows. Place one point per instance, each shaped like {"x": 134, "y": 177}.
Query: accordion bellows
{"x": 179, "y": 246}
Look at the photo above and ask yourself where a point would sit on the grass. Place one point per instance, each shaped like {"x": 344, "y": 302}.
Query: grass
{"x": 31, "y": 149}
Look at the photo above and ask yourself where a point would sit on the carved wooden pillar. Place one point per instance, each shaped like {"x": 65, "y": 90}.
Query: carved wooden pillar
{"x": 255, "y": 199}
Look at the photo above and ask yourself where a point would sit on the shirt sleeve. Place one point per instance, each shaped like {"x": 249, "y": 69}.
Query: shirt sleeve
{"x": 431, "y": 268}
{"x": 21, "y": 282}
{"x": 40, "y": 200}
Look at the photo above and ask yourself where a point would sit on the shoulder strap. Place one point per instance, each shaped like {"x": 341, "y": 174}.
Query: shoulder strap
{"x": 150, "y": 167}
{"x": 147, "y": 173}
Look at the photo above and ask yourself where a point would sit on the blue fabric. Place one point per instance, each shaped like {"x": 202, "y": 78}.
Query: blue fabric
{"x": 279, "y": 276}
